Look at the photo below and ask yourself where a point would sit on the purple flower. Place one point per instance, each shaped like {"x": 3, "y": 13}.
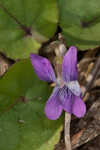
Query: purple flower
{"x": 66, "y": 94}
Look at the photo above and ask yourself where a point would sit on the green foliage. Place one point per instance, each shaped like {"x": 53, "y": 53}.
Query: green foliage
{"x": 20, "y": 81}
{"x": 26, "y": 127}
{"x": 37, "y": 132}
{"x": 9, "y": 131}
{"x": 25, "y": 25}
{"x": 80, "y": 21}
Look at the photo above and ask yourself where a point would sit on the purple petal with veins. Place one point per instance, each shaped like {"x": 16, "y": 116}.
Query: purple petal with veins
{"x": 53, "y": 108}
{"x": 79, "y": 107}
{"x": 69, "y": 65}
{"x": 42, "y": 68}
{"x": 71, "y": 103}
{"x": 66, "y": 99}
{"x": 74, "y": 87}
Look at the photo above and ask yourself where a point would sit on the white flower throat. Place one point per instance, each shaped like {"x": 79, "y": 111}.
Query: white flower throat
{"x": 73, "y": 86}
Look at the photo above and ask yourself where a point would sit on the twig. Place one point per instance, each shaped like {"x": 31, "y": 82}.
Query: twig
{"x": 91, "y": 77}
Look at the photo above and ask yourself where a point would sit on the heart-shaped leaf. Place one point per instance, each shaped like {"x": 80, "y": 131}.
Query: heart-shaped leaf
{"x": 25, "y": 24}
{"x": 9, "y": 131}
{"x": 80, "y": 22}
{"x": 21, "y": 82}
{"x": 26, "y": 127}
{"x": 37, "y": 132}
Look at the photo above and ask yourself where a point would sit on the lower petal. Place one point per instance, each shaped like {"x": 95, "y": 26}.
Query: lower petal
{"x": 71, "y": 103}
{"x": 79, "y": 107}
{"x": 53, "y": 109}
{"x": 66, "y": 99}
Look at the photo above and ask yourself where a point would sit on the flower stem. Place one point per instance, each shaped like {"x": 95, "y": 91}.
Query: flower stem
{"x": 67, "y": 131}
{"x": 58, "y": 67}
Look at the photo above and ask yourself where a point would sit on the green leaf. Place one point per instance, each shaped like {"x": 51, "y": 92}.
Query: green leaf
{"x": 37, "y": 132}
{"x": 25, "y": 126}
{"x": 21, "y": 81}
{"x": 25, "y": 25}
{"x": 9, "y": 131}
{"x": 34, "y": 131}
{"x": 80, "y": 22}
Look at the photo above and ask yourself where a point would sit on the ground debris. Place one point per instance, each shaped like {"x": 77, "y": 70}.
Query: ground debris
{"x": 89, "y": 126}
{"x": 92, "y": 145}
{"x": 5, "y": 63}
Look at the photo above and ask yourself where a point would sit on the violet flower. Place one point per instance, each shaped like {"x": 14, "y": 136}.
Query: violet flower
{"x": 65, "y": 96}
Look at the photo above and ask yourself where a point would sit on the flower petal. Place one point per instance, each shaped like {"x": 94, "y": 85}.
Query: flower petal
{"x": 69, "y": 65}
{"x": 71, "y": 103}
{"x": 42, "y": 68}
{"x": 74, "y": 87}
{"x": 66, "y": 99}
{"x": 79, "y": 107}
{"x": 53, "y": 109}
